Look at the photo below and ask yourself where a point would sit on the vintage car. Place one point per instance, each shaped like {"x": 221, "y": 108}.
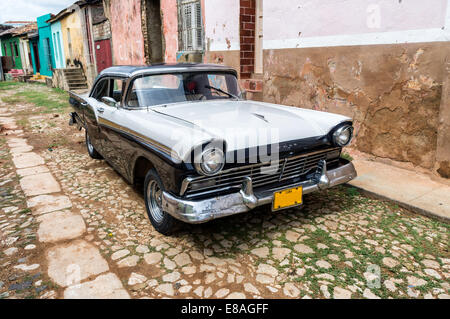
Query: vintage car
{"x": 202, "y": 151}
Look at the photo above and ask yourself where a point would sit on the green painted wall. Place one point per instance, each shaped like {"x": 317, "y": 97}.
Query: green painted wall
{"x": 12, "y": 44}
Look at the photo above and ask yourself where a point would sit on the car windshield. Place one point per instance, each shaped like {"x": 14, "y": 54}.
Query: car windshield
{"x": 153, "y": 90}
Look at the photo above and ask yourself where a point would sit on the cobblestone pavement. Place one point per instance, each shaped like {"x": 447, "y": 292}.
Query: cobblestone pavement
{"x": 340, "y": 244}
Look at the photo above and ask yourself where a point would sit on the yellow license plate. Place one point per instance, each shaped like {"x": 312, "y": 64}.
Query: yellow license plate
{"x": 287, "y": 198}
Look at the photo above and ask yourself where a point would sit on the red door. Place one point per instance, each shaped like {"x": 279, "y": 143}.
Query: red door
{"x": 103, "y": 54}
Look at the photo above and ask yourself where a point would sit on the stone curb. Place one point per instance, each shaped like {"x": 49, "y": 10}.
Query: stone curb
{"x": 407, "y": 206}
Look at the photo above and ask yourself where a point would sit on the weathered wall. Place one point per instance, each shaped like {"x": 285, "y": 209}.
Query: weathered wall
{"x": 24, "y": 54}
{"x": 222, "y": 25}
{"x": 328, "y": 22}
{"x": 58, "y": 47}
{"x": 128, "y": 41}
{"x": 443, "y": 141}
{"x": 74, "y": 51}
{"x": 101, "y": 31}
{"x": 228, "y": 58}
{"x": 170, "y": 29}
{"x": 47, "y": 62}
{"x": 383, "y": 63}
{"x": 222, "y": 32}
{"x": 393, "y": 92}
{"x": 10, "y": 52}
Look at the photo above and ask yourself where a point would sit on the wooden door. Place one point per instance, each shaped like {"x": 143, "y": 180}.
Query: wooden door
{"x": 103, "y": 54}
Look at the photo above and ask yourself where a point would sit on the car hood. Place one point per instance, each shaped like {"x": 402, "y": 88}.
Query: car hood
{"x": 232, "y": 121}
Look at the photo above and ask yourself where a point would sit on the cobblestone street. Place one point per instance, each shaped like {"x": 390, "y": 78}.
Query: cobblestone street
{"x": 340, "y": 244}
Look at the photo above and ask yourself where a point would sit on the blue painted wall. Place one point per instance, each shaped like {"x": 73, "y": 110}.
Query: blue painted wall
{"x": 46, "y": 50}
{"x": 58, "y": 47}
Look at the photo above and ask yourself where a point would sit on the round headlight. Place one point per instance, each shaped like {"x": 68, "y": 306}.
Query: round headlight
{"x": 211, "y": 162}
{"x": 343, "y": 136}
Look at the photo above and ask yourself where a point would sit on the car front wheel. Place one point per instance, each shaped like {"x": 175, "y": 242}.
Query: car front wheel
{"x": 153, "y": 189}
{"x": 91, "y": 149}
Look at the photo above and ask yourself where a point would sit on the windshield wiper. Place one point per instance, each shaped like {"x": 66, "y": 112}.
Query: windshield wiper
{"x": 221, "y": 91}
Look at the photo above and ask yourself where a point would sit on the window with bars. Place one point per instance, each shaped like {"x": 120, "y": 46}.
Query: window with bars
{"x": 191, "y": 26}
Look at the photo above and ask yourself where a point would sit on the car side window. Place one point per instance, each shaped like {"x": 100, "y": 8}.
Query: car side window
{"x": 117, "y": 87}
{"x": 101, "y": 90}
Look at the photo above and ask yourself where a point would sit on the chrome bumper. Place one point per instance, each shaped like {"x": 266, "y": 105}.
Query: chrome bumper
{"x": 197, "y": 212}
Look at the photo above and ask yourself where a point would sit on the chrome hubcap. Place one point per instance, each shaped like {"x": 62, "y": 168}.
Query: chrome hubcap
{"x": 154, "y": 199}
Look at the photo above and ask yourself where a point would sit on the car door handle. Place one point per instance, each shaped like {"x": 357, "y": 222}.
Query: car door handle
{"x": 101, "y": 110}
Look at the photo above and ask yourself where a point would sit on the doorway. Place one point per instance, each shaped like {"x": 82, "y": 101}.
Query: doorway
{"x": 36, "y": 57}
{"x": 103, "y": 54}
{"x": 154, "y": 32}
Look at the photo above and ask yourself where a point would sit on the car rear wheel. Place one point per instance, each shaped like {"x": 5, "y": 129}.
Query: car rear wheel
{"x": 91, "y": 149}
{"x": 153, "y": 189}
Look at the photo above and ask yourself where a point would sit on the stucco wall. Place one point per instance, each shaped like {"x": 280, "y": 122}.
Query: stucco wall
{"x": 222, "y": 25}
{"x": 47, "y": 62}
{"x": 393, "y": 92}
{"x": 170, "y": 29}
{"x": 14, "y": 41}
{"x": 58, "y": 47}
{"x": 222, "y": 32}
{"x": 309, "y": 23}
{"x": 443, "y": 141}
{"x": 383, "y": 63}
{"x": 128, "y": 41}
{"x": 74, "y": 55}
{"x": 24, "y": 55}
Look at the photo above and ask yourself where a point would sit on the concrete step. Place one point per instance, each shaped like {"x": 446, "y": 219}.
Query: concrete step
{"x": 77, "y": 86}
{"x": 76, "y": 80}
{"x": 73, "y": 71}
{"x": 75, "y": 76}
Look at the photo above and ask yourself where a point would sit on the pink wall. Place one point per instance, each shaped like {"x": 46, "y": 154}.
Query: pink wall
{"x": 128, "y": 41}
{"x": 170, "y": 27}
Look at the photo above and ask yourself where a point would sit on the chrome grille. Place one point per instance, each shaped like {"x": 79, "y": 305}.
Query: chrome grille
{"x": 261, "y": 174}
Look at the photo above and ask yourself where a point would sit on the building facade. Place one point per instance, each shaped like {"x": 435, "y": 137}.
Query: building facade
{"x": 46, "y": 49}
{"x": 385, "y": 64}
{"x": 11, "y": 48}
{"x": 58, "y": 45}
{"x": 82, "y": 40}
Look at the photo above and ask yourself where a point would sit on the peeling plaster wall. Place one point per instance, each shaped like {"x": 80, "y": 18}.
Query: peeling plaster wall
{"x": 222, "y": 32}
{"x": 128, "y": 41}
{"x": 170, "y": 29}
{"x": 337, "y": 20}
{"x": 222, "y": 25}
{"x": 443, "y": 141}
{"x": 393, "y": 92}
{"x": 77, "y": 53}
{"x": 384, "y": 63}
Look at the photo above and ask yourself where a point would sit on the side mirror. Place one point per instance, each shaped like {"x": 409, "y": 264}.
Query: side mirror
{"x": 109, "y": 101}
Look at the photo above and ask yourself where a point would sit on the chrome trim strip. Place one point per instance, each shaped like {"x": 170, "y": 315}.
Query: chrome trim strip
{"x": 282, "y": 169}
{"x": 166, "y": 150}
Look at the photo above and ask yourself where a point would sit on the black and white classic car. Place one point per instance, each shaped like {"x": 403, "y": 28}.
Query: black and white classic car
{"x": 201, "y": 151}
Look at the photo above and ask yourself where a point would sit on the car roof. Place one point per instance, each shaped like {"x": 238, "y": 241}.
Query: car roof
{"x": 133, "y": 70}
